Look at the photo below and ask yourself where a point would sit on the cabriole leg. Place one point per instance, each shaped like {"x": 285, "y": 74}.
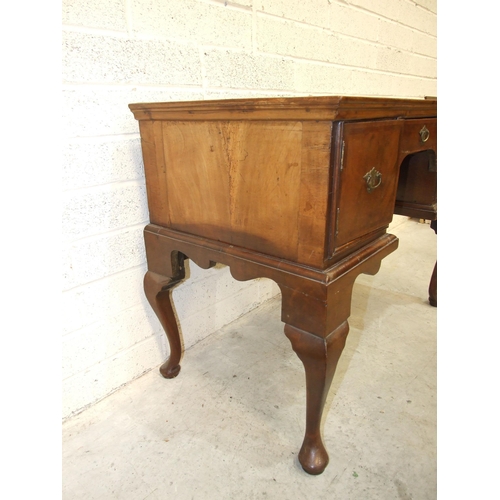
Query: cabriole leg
{"x": 433, "y": 283}
{"x": 433, "y": 287}
{"x": 158, "y": 290}
{"x": 320, "y": 357}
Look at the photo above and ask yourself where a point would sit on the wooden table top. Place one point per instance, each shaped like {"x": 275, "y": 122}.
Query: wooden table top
{"x": 287, "y": 108}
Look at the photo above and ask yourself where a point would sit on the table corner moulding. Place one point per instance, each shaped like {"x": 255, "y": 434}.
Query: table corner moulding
{"x": 298, "y": 190}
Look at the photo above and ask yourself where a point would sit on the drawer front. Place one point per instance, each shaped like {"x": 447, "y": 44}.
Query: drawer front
{"x": 418, "y": 135}
{"x": 367, "y": 179}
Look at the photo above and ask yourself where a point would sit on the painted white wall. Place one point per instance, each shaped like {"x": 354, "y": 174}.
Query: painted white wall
{"x": 117, "y": 52}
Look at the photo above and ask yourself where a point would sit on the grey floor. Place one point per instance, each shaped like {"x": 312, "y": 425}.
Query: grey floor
{"x": 230, "y": 425}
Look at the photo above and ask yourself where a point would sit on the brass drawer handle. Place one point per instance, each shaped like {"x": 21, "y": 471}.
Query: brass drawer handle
{"x": 373, "y": 179}
{"x": 424, "y": 134}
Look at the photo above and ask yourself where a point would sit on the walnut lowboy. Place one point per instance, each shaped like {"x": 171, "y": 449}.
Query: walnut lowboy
{"x": 298, "y": 190}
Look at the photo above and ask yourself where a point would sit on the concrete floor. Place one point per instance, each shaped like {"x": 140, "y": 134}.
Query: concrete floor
{"x": 231, "y": 424}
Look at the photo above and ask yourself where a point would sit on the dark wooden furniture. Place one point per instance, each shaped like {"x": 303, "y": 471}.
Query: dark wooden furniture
{"x": 298, "y": 190}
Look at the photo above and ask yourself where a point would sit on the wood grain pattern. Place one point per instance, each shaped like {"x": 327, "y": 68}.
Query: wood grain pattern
{"x": 259, "y": 185}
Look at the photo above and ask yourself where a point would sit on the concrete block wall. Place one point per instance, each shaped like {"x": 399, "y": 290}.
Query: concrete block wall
{"x": 117, "y": 52}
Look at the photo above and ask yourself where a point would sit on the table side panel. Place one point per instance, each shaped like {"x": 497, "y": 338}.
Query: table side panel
{"x": 261, "y": 185}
